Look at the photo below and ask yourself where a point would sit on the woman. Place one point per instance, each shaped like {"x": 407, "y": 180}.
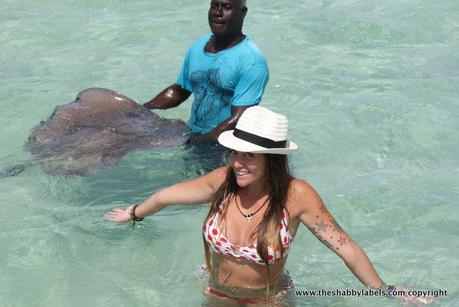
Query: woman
{"x": 256, "y": 209}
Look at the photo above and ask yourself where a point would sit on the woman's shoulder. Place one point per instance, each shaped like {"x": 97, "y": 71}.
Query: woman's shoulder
{"x": 300, "y": 187}
{"x": 217, "y": 177}
{"x": 219, "y": 172}
{"x": 301, "y": 195}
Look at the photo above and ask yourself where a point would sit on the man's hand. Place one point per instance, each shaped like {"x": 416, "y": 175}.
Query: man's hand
{"x": 202, "y": 138}
{"x": 228, "y": 124}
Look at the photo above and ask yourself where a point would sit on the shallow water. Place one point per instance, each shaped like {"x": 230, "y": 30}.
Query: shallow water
{"x": 370, "y": 89}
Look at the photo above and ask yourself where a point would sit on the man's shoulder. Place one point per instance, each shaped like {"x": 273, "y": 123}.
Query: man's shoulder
{"x": 252, "y": 55}
{"x": 253, "y": 47}
{"x": 200, "y": 42}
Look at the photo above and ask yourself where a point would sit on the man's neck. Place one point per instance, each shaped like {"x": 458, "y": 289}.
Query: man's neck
{"x": 220, "y": 43}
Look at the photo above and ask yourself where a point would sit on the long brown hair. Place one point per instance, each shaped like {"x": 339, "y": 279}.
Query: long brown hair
{"x": 277, "y": 180}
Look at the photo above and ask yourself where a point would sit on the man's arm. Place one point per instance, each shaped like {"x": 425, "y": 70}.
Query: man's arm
{"x": 170, "y": 97}
{"x": 228, "y": 124}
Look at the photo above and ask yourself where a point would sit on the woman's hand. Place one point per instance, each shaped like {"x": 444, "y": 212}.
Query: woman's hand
{"x": 401, "y": 293}
{"x": 120, "y": 215}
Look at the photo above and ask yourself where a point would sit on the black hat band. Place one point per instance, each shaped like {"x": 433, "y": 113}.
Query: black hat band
{"x": 258, "y": 140}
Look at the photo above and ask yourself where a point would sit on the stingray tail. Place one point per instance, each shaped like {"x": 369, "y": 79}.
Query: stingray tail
{"x": 14, "y": 170}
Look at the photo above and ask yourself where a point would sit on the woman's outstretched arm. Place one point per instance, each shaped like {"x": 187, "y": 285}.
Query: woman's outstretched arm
{"x": 311, "y": 211}
{"x": 195, "y": 191}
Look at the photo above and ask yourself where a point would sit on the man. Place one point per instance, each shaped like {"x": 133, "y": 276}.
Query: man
{"x": 225, "y": 71}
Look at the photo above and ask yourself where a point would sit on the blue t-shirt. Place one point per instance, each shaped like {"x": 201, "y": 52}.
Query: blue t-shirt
{"x": 232, "y": 77}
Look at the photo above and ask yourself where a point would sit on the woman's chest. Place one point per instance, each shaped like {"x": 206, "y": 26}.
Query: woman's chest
{"x": 237, "y": 228}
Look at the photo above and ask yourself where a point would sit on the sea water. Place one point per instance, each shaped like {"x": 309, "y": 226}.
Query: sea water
{"x": 371, "y": 92}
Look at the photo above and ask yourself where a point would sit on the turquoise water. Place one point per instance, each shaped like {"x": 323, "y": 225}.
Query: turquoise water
{"x": 371, "y": 92}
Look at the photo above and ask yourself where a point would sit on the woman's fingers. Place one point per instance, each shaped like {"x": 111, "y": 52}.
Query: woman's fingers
{"x": 117, "y": 215}
{"x": 117, "y": 210}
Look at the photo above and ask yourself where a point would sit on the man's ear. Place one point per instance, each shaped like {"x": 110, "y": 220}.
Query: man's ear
{"x": 244, "y": 11}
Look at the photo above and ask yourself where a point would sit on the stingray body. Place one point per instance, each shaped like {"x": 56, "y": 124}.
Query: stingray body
{"x": 96, "y": 130}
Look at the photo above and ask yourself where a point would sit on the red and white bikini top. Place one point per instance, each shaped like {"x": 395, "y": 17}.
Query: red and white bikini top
{"x": 221, "y": 245}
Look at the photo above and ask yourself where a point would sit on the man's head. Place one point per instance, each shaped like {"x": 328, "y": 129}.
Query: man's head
{"x": 226, "y": 17}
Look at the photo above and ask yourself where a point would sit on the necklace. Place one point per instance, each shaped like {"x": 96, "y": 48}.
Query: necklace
{"x": 248, "y": 216}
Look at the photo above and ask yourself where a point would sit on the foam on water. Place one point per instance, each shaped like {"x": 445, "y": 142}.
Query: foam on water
{"x": 370, "y": 90}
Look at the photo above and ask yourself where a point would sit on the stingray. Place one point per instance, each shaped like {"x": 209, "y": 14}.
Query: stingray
{"x": 95, "y": 131}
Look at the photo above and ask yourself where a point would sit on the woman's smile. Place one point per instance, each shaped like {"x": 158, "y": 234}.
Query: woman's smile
{"x": 248, "y": 168}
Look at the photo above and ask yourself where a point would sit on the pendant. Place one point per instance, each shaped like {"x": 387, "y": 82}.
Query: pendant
{"x": 248, "y": 217}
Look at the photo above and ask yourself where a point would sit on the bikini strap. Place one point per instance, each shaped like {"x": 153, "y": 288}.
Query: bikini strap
{"x": 285, "y": 218}
{"x": 224, "y": 202}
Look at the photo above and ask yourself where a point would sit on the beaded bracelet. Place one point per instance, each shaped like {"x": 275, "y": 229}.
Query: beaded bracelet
{"x": 134, "y": 217}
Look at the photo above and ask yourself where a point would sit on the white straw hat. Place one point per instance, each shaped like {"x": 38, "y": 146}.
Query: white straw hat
{"x": 259, "y": 130}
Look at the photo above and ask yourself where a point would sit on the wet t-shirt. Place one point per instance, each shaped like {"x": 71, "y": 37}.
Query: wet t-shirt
{"x": 232, "y": 77}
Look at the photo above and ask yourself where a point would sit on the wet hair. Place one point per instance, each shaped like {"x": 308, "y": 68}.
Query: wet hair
{"x": 277, "y": 179}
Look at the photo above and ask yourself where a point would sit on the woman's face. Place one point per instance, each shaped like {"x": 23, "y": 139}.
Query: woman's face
{"x": 249, "y": 168}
